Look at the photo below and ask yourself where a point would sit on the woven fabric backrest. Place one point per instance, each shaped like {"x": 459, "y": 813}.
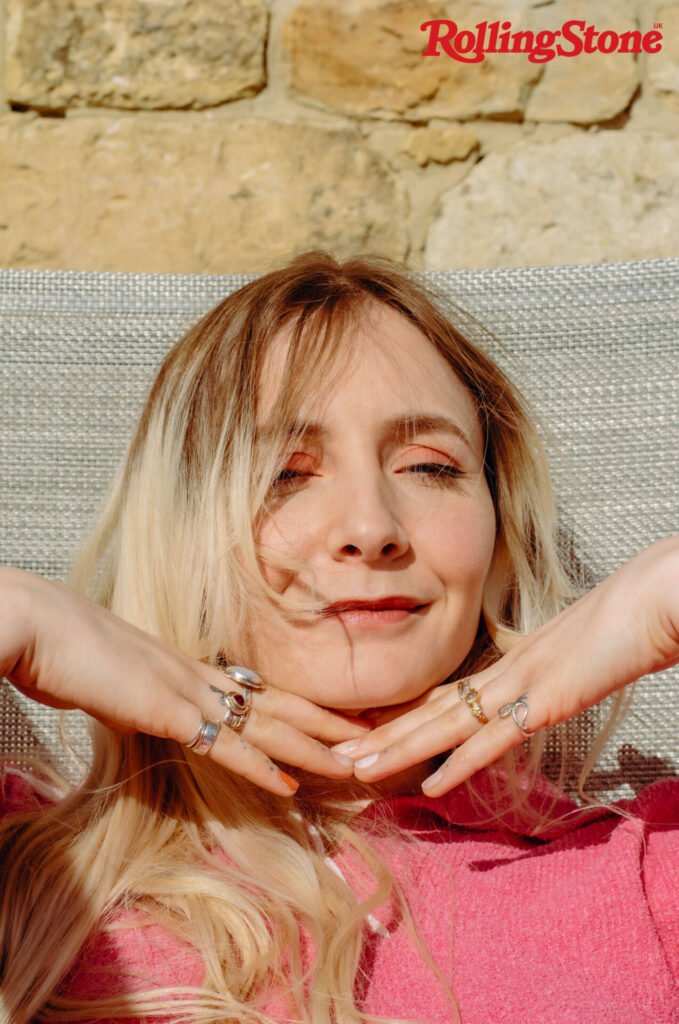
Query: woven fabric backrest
{"x": 595, "y": 349}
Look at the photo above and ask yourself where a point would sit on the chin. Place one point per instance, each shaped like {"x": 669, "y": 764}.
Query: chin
{"x": 366, "y": 688}
{"x": 378, "y": 702}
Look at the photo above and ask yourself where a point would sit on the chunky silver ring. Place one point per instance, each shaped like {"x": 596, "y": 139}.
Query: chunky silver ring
{"x": 245, "y": 676}
{"x": 203, "y": 741}
{"x": 518, "y": 709}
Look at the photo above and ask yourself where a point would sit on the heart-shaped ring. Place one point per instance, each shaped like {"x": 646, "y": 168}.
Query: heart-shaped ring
{"x": 518, "y": 709}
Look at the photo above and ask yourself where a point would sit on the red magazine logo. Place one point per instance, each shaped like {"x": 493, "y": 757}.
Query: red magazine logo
{"x": 573, "y": 38}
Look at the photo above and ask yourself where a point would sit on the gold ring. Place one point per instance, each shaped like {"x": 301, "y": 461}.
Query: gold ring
{"x": 472, "y": 698}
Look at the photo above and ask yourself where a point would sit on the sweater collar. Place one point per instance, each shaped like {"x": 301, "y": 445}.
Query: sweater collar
{"x": 545, "y": 812}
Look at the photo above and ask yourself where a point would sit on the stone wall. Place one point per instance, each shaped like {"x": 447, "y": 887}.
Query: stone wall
{"x": 203, "y": 136}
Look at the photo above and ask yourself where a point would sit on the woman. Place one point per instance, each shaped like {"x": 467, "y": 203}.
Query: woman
{"x": 331, "y": 485}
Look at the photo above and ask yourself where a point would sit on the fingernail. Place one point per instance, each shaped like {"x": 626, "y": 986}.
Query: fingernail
{"x": 288, "y": 780}
{"x": 345, "y": 748}
{"x": 346, "y": 761}
{"x": 365, "y": 762}
{"x": 433, "y": 781}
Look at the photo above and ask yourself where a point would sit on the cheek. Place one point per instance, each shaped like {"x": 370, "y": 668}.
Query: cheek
{"x": 460, "y": 546}
{"x": 290, "y": 537}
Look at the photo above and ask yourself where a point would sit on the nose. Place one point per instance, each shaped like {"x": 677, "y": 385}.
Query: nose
{"x": 364, "y": 525}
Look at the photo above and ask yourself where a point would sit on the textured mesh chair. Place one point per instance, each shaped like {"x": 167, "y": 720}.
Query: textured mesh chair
{"x": 595, "y": 349}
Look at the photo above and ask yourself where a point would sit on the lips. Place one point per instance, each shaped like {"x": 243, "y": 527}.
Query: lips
{"x": 397, "y": 602}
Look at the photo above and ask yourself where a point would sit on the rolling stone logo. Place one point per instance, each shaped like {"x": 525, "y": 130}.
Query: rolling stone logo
{"x": 573, "y": 38}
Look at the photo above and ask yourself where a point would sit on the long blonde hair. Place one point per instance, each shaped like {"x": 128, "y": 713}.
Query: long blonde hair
{"x": 173, "y": 839}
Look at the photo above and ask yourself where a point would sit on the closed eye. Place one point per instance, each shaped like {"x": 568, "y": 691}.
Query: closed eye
{"x": 435, "y": 471}
{"x": 288, "y": 477}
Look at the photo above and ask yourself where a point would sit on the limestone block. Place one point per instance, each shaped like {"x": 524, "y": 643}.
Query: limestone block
{"x": 590, "y": 87}
{"x": 134, "y": 53}
{"x": 655, "y": 112}
{"x": 440, "y": 145}
{"x": 663, "y": 67}
{"x": 366, "y": 59}
{"x": 212, "y": 195}
{"x": 587, "y": 197}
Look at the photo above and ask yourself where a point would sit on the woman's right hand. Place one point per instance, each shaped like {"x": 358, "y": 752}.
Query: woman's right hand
{"x": 62, "y": 650}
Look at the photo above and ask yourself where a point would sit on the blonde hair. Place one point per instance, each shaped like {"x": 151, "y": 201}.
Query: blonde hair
{"x": 173, "y": 839}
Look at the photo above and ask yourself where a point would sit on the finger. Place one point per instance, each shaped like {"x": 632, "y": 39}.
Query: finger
{"x": 423, "y": 710}
{"x": 392, "y": 732}
{"x": 233, "y": 752}
{"x": 312, "y": 719}
{"x": 250, "y": 752}
{"x": 322, "y": 723}
{"x": 163, "y": 710}
{"x": 454, "y": 724}
{"x": 286, "y": 743}
{"x": 480, "y": 750}
{"x": 432, "y": 737}
{"x": 415, "y": 714}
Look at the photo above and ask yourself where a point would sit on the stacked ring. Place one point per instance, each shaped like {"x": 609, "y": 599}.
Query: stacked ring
{"x": 203, "y": 741}
{"x": 472, "y": 698}
{"x": 238, "y": 705}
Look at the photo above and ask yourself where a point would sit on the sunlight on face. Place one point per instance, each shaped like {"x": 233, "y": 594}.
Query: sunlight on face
{"x": 385, "y": 500}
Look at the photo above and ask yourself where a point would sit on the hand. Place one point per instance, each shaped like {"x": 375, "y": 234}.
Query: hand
{"x": 64, "y": 651}
{"x": 626, "y": 627}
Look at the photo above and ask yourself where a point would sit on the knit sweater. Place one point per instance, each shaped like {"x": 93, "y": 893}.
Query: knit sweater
{"x": 578, "y": 927}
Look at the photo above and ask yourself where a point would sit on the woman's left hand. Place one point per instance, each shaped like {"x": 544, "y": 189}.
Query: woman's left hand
{"x": 624, "y": 628}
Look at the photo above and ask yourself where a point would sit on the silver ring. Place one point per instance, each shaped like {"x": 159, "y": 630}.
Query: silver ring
{"x": 234, "y": 705}
{"x": 248, "y": 679}
{"x": 518, "y": 709}
{"x": 238, "y": 707}
{"x": 239, "y": 703}
{"x": 203, "y": 741}
{"x": 236, "y": 721}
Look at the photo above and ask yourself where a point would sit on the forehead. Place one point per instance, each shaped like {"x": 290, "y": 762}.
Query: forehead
{"x": 384, "y": 365}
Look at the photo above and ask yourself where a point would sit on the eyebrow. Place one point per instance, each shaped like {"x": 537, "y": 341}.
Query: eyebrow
{"x": 408, "y": 425}
{"x": 416, "y": 423}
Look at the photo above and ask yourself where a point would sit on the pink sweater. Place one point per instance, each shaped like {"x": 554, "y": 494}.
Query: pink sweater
{"x": 579, "y": 928}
